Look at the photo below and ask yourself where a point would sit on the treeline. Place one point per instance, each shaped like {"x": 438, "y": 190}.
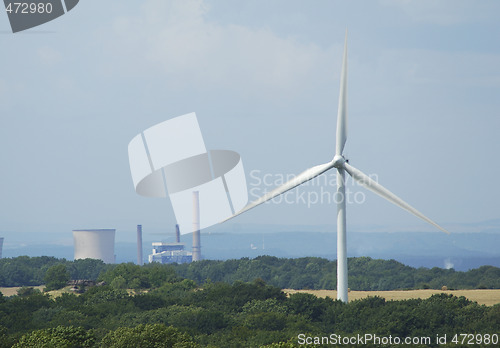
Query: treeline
{"x": 167, "y": 310}
{"x": 303, "y": 273}
{"x": 315, "y": 273}
{"x": 31, "y": 271}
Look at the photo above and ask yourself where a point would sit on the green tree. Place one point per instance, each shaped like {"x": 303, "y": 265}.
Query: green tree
{"x": 196, "y": 319}
{"x": 140, "y": 277}
{"x": 118, "y": 283}
{"x": 271, "y": 321}
{"x": 26, "y": 291}
{"x": 56, "y": 277}
{"x": 16, "y": 313}
{"x": 5, "y": 341}
{"x": 307, "y": 304}
{"x": 87, "y": 268}
{"x": 58, "y": 337}
{"x": 147, "y": 336}
{"x": 261, "y": 306}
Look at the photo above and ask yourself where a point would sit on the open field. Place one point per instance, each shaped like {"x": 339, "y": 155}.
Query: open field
{"x": 13, "y": 291}
{"x": 54, "y": 293}
{"x": 487, "y": 297}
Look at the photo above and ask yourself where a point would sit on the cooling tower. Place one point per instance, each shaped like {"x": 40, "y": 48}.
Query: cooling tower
{"x": 95, "y": 244}
{"x": 1, "y": 245}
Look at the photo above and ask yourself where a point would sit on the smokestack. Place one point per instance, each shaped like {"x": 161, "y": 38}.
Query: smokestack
{"x": 177, "y": 234}
{"x": 139, "y": 245}
{"x": 1, "y": 245}
{"x": 196, "y": 227}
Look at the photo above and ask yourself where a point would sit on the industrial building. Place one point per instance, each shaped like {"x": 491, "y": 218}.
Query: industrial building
{"x": 171, "y": 252}
{"x": 1, "y": 246}
{"x": 95, "y": 244}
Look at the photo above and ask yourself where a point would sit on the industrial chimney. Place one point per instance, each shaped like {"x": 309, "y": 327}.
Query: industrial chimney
{"x": 177, "y": 234}
{"x": 139, "y": 245}
{"x": 196, "y": 227}
{"x": 1, "y": 245}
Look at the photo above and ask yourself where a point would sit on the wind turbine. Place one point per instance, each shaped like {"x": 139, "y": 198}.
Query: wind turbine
{"x": 339, "y": 162}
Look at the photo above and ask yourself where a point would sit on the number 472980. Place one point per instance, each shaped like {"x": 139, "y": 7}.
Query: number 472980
{"x": 29, "y": 7}
{"x": 475, "y": 339}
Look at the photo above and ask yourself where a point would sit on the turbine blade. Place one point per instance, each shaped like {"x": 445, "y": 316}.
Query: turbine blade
{"x": 342, "y": 112}
{"x": 306, "y": 175}
{"x": 375, "y": 187}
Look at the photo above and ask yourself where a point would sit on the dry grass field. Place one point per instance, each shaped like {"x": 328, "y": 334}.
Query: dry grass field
{"x": 53, "y": 294}
{"x": 13, "y": 291}
{"x": 486, "y": 297}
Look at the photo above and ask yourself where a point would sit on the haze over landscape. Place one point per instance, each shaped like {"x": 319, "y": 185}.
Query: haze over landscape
{"x": 263, "y": 79}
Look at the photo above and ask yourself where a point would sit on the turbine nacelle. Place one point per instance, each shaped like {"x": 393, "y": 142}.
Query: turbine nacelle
{"x": 338, "y": 161}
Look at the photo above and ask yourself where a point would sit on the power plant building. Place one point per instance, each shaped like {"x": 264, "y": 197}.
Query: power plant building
{"x": 170, "y": 253}
{"x": 95, "y": 244}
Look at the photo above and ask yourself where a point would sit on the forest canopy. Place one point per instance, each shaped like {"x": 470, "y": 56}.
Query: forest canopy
{"x": 167, "y": 310}
{"x": 365, "y": 273}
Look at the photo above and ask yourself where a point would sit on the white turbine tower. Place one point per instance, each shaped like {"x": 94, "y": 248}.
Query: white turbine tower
{"x": 339, "y": 162}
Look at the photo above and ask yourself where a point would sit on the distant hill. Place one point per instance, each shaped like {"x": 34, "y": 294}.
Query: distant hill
{"x": 461, "y": 251}
{"x": 365, "y": 274}
{"x": 298, "y": 273}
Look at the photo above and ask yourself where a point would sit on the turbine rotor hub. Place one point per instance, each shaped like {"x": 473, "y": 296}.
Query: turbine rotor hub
{"x": 338, "y": 161}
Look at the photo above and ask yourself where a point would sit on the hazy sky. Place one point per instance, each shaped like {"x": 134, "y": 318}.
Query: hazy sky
{"x": 263, "y": 78}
